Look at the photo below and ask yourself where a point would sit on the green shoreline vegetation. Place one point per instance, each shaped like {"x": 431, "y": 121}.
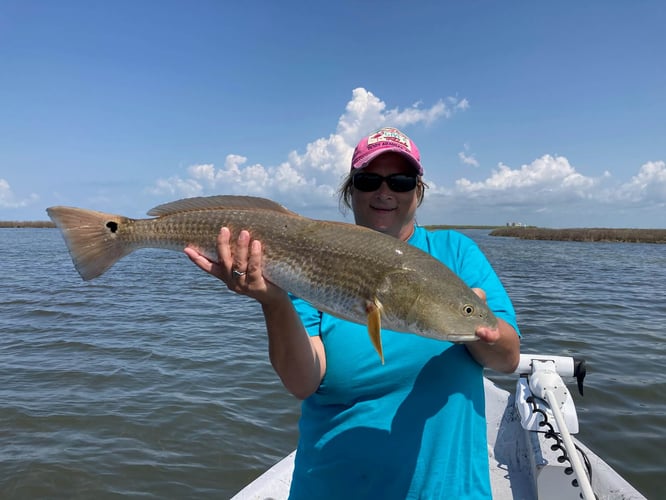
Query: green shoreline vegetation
{"x": 595, "y": 234}
{"x": 523, "y": 232}
{"x": 22, "y": 224}
{"x": 435, "y": 227}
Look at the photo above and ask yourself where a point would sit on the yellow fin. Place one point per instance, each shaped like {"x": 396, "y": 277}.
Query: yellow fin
{"x": 374, "y": 310}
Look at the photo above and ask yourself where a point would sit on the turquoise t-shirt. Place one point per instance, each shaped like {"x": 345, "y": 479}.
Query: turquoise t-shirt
{"x": 412, "y": 428}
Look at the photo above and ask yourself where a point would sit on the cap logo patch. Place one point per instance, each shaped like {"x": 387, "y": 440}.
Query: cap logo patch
{"x": 389, "y": 135}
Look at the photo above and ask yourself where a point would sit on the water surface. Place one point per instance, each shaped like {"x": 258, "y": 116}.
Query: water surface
{"x": 154, "y": 382}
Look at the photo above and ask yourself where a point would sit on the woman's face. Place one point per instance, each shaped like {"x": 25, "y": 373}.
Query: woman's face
{"x": 385, "y": 210}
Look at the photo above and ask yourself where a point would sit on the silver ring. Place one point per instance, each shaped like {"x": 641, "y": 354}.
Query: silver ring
{"x": 237, "y": 274}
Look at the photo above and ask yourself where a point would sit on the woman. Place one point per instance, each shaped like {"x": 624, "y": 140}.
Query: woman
{"x": 415, "y": 427}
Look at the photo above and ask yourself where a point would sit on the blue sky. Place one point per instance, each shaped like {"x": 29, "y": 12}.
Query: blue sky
{"x": 545, "y": 113}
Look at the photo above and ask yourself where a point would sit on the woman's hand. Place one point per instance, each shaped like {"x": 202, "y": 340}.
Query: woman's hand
{"x": 497, "y": 348}
{"x": 486, "y": 334}
{"x": 239, "y": 266}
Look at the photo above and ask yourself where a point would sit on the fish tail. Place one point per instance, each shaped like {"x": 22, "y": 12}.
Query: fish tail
{"x": 92, "y": 238}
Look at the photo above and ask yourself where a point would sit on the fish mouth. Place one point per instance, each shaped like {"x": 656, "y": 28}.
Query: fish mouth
{"x": 461, "y": 338}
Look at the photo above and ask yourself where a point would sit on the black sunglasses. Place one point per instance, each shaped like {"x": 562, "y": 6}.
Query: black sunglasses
{"x": 399, "y": 183}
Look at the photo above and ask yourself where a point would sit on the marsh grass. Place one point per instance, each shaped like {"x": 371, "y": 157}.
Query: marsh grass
{"x": 584, "y": 234}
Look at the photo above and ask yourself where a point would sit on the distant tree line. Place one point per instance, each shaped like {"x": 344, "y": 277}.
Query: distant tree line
{"x": 14, "y": 224}
{"x": 584, "y": 234}
{"x": 433, "y": 227}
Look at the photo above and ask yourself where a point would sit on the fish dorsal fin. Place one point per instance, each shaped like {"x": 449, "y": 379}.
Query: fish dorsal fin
{"x": 217, "y": 202}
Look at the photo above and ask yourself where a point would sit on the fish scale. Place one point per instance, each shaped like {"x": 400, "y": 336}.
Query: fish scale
{"x": 346, "y": 270}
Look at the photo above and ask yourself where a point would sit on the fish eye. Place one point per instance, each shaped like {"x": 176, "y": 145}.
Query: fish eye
{"x": 468, "y": 309}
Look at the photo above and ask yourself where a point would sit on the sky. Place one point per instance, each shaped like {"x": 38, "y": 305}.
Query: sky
{"x": 542, "y": 113}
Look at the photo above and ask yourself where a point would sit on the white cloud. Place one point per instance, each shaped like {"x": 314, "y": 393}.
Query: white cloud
{"x": 461, "y": 104}
{"x": 546, "y": 178}
{"x": 466, "y": 158}
{"x": 311, "y": 177}
{"x": 547, "y": 189}
{"x": 550, "y": 191}
{"x": 646, "y": 187}
{"x": 365, "y": 112}
{"x": 9, "y": 200}
{"x": 175, "y": 186}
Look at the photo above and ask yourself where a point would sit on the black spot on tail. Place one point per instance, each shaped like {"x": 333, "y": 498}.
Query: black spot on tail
{"x": 113, "y": 226}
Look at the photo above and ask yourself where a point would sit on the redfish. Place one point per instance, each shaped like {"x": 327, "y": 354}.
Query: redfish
{"x": 349, "y": 271}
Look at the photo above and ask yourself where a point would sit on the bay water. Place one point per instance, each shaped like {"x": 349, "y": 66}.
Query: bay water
{"x": 153, "y": 381}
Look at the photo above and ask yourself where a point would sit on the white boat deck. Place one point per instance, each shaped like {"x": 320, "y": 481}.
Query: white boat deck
{"x": 522, "y": 465}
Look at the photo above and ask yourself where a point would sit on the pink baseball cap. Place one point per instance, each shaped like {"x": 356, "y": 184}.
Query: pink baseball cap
{"x": 383, "y": 141}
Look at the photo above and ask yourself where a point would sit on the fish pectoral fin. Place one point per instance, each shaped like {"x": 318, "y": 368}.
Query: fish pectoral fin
{"x": 374, "y": 310}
